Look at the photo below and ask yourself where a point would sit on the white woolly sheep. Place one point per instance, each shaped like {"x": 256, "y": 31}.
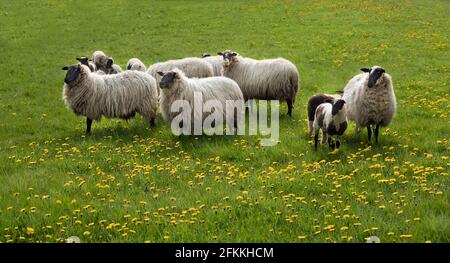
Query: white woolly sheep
{"x": 136, "y": 64}
{"x": 191, "y": 67}
{"x": 215, "y": 61}
{"x": 370, "y": 100}
{"x": 113, "y": 96}
{"x": 105, "y": 63}
{"x": 268, "y": 79}
{"x": 176, "y": 86}
{"x": 315, "y": 101}
{"x": 332, "y": 120}
{"x": 85, "y": 61}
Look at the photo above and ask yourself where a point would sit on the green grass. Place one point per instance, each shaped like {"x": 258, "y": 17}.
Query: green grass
{"x": 128, "y": 183}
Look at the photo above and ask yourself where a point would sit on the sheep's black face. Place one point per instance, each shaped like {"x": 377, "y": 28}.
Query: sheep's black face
{"x": 167, "y": 80}
{"x": 72, "y": 73}
{"x": 83, "y": 60}
{"x": 337, "y": 106}
{"x": 375, "y": 75}
{"x": 228, "y": 57}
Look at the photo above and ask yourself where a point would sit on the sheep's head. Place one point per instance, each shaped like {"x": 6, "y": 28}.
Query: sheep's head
{"x": 228, "y": 57}
{"x": 107, "y": 66}
{"x": 73, "y": 72}
{"x": 375, "y": 75}
{"x": 169, "y": 78}
{"x": 83, "y": 60}
{"x": 337, "y": 106}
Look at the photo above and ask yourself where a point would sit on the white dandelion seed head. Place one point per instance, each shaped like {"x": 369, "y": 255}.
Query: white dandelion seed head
{"x": 373, "y": 239}
{"x": 73, "y": 239}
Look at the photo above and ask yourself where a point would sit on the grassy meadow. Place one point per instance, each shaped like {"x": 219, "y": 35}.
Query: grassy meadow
{"x": 129, "y": 183}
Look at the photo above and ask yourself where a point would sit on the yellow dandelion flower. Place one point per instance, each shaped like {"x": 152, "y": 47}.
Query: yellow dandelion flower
{"x": 30, "y": 230}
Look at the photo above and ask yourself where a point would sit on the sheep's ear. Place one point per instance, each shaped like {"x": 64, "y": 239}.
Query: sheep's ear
{"x": 233, "y": 54}
{"x": 109, "y": 63}
{"x": 176, "y": 75}
{"x": 160, "y": 73}
{"x": 65, "y": 68}
{"x": 220, "y": 53}
{"x": 365, "y": 69}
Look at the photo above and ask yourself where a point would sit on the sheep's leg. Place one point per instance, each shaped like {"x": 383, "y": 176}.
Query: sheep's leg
{"x": 376, "y": 133}
{"x": 290, "y": 106}
{"x": 324, "y": 137}
{"x": 152, "y": 122}
{"x": 338, "y": 142}
{"x": 310, "y": 127}
{"x": 316, "y": 140}
{"x": 88, "y": 126}
{"x": 369, "y": 134}
{"x": 331, "y": 143}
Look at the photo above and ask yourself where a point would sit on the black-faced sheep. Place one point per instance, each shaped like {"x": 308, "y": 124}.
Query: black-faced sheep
{"x": 176, "y": 86}
{"x": 105, "y": 63}
{"x": 268, "y": 79}
{"x": 114, "y": 96}
{"x": 313, "y": 103}
{"x": 370, "y": 100}
{"x": 331, "y": 119}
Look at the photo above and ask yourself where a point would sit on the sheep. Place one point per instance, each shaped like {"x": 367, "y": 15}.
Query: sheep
{"x": 268, "y": 79}
{"x": 370, "y": 100}
{"x": 136, "y": 64}
{"x": 105, "y": 63}
{"x": 315, "y": 101}
{"x": 175, "y": 85}
{"x": 332, "y": 120}
{"x": 85, "y": 61}
{"x": 113, "y": 96}
{"x": 215, "y": 61}
{"x": 192, "y": 68}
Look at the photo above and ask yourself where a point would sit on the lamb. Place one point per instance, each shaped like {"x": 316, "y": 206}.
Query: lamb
{"x": 268, "y": 79}
{"x": 370, "y": 100}
{"x": 113, "y": 96}
{"x": 315, "y": 101}
{"x": 136, "y": 64}
{"x": 331, "y": 119}
{"x": 192, "y": 68}
{"x": 175, "y": 85}
{"x": 215, "y": 61}
{"x": 85, "y": 61}
{"x": 105, "y": 63}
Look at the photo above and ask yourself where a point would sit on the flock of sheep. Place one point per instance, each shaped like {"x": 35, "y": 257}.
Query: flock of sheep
{"x": 97, "y": 87}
